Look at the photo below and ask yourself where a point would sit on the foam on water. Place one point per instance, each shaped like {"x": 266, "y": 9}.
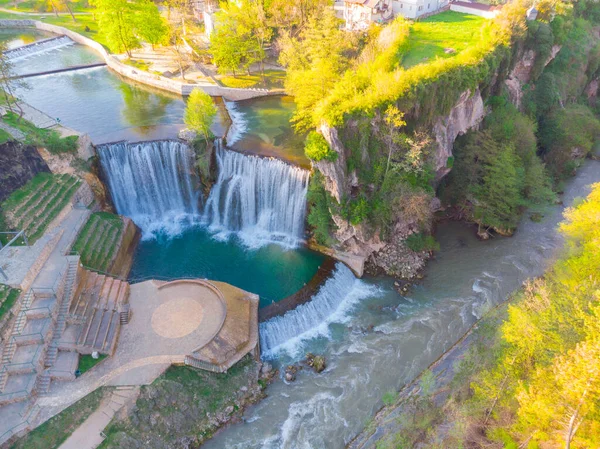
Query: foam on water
{"x": 332, "y": 303}
{"x": 262, "y": 200}
{"x": 239, "y": 124}
{"x": 35, "y": 49}
{"x": 153, "y": 183}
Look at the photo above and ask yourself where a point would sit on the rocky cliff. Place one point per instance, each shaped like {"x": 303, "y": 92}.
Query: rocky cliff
{"x": 391, "y": 254}
{"x": 18, "y": 164}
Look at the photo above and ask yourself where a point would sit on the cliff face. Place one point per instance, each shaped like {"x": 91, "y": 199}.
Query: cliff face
{"x": 466, "y": 114}
{"x": 18, "y": 164}
{"x": 392, "y": 256}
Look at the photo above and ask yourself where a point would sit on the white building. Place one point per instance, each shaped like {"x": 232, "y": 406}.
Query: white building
{"x": 360, "y": 14}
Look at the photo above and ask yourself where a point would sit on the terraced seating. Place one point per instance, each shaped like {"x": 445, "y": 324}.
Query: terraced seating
{"x": 35, "y": 205}
{"x": 95, "y": 314}
{"x": 98, "y": 241}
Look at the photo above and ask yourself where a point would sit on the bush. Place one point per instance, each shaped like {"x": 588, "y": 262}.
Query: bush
{"x": 56, "y": 144}
{"x": 319, "y": 216}
{"x": 419, "y": 242}
{"x": 317, "y": 149}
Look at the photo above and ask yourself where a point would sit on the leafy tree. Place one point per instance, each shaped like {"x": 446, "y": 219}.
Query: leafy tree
{"x": 151, "y": 27}
{"x": 200, "y": 112}
{"x": 125, "y": 22}
{"x": 286, "y": 14}
{"x": 499, "y": 195}
{"x": 319, "y": 215}
{"x": 315, "y": 60}
{"x": 240, "y": 36}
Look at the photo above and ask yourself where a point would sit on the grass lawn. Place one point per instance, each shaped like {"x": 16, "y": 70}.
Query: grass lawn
{"x": 273, "y": 79}
{"x": 430, "y": 37}
{"x": 87, "y": 362}
{"x": 83, "y": 22}
{"x": 55, "y": 431}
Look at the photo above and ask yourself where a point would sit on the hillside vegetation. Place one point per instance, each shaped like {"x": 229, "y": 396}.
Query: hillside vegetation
{"x": 33, "y": 207}
{"x": 98, "y": 241}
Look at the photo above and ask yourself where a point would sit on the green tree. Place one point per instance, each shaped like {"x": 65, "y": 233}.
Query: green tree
{"x": 315, "y": 60}
{"x": 117, "y": 21}
{"x": 151, "y": 27}
{"x": 240, "y": 36}
{"x": 200, "y": 112}
{"x": 499, "y": 195}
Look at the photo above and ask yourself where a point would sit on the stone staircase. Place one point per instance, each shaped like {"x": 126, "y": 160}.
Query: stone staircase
{"x": 99, "y": 309}
{"x": 31, "y": 345}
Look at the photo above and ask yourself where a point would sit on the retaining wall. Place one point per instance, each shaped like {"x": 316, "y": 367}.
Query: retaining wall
{"x": 141, "y": 76}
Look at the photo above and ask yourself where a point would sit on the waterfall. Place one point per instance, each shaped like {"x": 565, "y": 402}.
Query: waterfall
{"x": 239, "y": 123}
{"x": 263, "y": 200}
{"x": 153, "y": 183}
{"x": 38, "y": 47}
{"x": 339, "y": 293}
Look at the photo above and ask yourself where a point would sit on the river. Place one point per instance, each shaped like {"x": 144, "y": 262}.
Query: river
{"x": 374, "y": 339}
{"x": 378, "y": 341}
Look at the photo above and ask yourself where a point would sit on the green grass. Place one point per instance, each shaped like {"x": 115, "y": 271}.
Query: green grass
{"x": 4, "y": 136}
{"x": 97, "y": 241}
{"x": 273, "y": 79}
{"x": 8, "y": 297}
{"x": 87, "y": 362}
{"x": 181, "y": 388}
{"x": 48, "y": 138}
{"x": 81, "y": 26}
{"x": 430, "y": 37}
{"x": 34, "y": 206}
{"x": 56, "y": 430}
{"x": 142, "y": 65}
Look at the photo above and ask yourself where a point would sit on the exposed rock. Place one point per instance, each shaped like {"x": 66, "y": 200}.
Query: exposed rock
{"x": 467, "y": 114}
{"x": 398, "y": 260}
{"x": 591, "y": 91}
{"x": 189, "y": 135}
{"x": 316, "y": 362}
{"x": 333, "y": 172}
{"x": 290, "y": 372}
{"x": 18, "y": 164}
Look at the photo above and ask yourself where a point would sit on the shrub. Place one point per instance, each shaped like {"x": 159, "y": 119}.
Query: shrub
{"x": 56, "y": 144}
{"x": 420, "y": 242}
{"x": 316, "y": 148}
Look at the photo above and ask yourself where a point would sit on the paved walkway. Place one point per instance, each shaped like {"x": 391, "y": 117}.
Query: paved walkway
{"x": 88, "y": 435}
{"x": 17, "y": 134}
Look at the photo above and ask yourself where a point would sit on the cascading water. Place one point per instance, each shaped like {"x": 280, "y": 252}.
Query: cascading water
{"x": 339, "y": 293}
{"x": 153, "y": 183}
{"x": 239, "y": 125}
{"x": 38, "y": 47}
{"x": 264, "y": 200}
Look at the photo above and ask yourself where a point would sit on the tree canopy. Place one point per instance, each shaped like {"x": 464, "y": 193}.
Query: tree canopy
{"x": 200, "y": 113}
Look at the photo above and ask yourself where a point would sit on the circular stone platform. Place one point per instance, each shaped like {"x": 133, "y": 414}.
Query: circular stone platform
{"x": 177, "y": 317}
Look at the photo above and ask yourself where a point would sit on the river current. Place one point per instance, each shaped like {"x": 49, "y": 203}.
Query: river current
{"x": 374, "y": 339}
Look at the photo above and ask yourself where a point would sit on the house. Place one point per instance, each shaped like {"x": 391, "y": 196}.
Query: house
{"x": 532, "y": 13}
{"x": 360, "y": 14}
{"x": 476, "y": 9}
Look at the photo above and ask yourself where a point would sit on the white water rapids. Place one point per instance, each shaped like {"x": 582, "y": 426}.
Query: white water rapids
{"x": 384, "y": 340}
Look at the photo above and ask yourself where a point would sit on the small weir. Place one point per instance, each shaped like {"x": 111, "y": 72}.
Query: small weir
{"x": 262, "y": 199}
{"x": 154, "y": 183}
{"x": 38, "y": 47}
{"x": 312, "y": 318}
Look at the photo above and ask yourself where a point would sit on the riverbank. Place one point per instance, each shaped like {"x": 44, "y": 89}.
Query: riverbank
{"x": 153, "y": 80}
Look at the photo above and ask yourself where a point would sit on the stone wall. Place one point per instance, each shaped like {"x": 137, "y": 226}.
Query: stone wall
{"x": 123, "y": 259}
{"x": 18, "y": 164}
{"x": 150, "y": 79}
